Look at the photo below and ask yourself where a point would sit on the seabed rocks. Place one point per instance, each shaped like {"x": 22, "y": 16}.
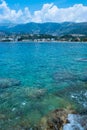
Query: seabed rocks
{"x": 34, "y": 93}
{"x": 76, "y": 122}
{"x": 59, "y": 119}
{"x": 7, "y": 82}
{"x": 81, "y": 59}
{"x": 64, "y": 119}
{"x": 55, "y": 120}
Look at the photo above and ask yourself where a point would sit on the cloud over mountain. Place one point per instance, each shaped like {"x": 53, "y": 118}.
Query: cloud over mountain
{"x": 48, "y": 13}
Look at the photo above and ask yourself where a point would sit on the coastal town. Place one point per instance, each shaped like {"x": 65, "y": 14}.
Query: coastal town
{"x": 42, "y": 38}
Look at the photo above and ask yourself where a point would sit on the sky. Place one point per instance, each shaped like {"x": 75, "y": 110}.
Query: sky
{"x": 40, "y": 11}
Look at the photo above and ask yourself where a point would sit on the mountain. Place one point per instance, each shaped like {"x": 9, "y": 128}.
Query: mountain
{"x": 45, "y": 28}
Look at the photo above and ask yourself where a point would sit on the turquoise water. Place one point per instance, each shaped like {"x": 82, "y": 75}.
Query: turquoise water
{"x": 36, "y": 78}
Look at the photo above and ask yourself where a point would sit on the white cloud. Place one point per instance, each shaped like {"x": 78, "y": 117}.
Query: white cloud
{"x": 48, "y": 13}
{"x": 7, "y": 14}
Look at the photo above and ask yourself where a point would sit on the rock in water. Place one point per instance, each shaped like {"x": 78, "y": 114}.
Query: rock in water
{"x": 6, "y": 83}
{"x": 34, "y": 93}
{"x": 76, "y": 122}
{"x": 62, "y": 119}
{"x": 84, "y": 79}
{"x": 55, "y": 120}
{"x": 64, "y": 76}
{"x": 81, "y": 59}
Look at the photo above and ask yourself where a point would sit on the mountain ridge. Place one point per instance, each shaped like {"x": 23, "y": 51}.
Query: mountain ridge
{"x": 45, "y": 28}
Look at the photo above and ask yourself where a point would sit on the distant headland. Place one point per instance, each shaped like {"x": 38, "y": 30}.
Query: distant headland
{"x": 67, "y": 31}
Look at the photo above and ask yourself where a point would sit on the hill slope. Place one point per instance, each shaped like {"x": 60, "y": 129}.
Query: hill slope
{"x": 46, "y": 28}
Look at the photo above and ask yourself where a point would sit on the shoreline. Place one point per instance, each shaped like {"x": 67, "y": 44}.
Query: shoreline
{"x": 42, "y": 42}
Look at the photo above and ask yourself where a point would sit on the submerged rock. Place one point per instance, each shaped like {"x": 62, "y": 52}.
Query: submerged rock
{"x": 81, "y": 59}
{"x": 76, "y": 122}
{"x": 83, "y": 79}
{"x": 64, "y": 76}
{"x": 80, "y": 97}
{"x": 2, "y": 116}
{"x": 6, "y": 83}
{"x": 34, "y": 92}
{"x": 55, "y": 120}
{"x": 62, "y": 119}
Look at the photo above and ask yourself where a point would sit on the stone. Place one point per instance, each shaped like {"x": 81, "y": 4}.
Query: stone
{"x": 76, "y": 122}
{"x": 81, "y": 59}
{"x": 2, "y": 116}
{"x": 6, "y": 83}
{"x": 55, "y": 120}
{"x": 84, "y": 79}
{"x": 64, "y": 76}
{"x": 34, "y": 92}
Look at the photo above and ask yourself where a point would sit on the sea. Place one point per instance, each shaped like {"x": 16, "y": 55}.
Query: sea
{"x": 37, "y": 78}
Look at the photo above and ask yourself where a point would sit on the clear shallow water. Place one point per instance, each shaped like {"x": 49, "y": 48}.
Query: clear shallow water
{"x": 52, "y": 75}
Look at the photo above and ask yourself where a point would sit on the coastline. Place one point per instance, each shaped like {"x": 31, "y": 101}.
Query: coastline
{"x": 42, "y": 41}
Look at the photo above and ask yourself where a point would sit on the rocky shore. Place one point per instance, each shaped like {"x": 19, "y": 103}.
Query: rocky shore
{"x": 55, "y": 120}
{"x": 59, "y": 119}
{"x": 22, "y": 112}
{"x": 64, "y": 119}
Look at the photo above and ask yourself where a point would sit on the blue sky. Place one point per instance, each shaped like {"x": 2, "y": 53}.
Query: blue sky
{"x": 37, "y": 4}
{"x": 40, "y": 11}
